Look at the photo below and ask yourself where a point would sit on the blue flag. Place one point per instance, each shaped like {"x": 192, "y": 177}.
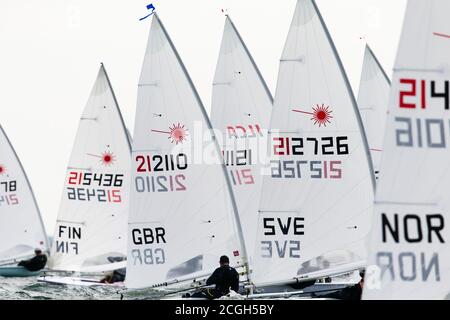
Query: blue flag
{"x": 149, "y": 7}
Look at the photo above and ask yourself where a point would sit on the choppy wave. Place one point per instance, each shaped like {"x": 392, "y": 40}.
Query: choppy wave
{"x": 30, "y": 289}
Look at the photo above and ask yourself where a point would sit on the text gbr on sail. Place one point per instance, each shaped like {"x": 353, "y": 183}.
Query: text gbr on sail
{"x": 143, "y": 238}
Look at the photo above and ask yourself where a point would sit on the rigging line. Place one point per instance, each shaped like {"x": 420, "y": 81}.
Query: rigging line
{"x": 94, "y": 155}
{"x": 159, "y": 131}
{"x": 441, "y": 35}
{"x": 300, "y": 111}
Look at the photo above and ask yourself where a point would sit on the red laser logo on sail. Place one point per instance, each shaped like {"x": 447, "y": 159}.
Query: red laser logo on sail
{"x": 177, "y": 133}
{"x": 107, "y": 158}
{"x": 2, "y": 170}
{"x": 321, "y": 115}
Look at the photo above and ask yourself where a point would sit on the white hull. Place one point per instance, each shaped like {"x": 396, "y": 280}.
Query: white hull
{"x": 78, "y": 281}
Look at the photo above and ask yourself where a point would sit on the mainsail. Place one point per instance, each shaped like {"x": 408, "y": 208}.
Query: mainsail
{"x": 317, "y": 199}
{"x": 21, "y": 227}
{"x": 373, "y": 99}
{"x": 241, "y": 108}
{"x": 90, "y": 232}
{"x": 182, "y": 206}
{"x": 409, "y": 253}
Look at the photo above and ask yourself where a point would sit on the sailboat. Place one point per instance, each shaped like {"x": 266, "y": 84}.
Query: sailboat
{"x": 241, "y": 108}
{"x": 21, "y": 226}
{"x": 409, "y": 253}
{"x": 183, "y": 214}
{"x": 373, "y": 98}
{"x": 90, "y": 234}
{"x": 317, "y": 199}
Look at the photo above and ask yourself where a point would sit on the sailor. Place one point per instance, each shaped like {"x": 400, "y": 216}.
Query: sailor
{"x": 36, "y": 263}
{"x": 224, "y": 278}
{"x": 117, "y": 275}
{"x": 349, "y": 293}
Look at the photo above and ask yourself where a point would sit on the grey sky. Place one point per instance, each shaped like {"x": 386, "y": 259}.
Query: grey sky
{"x": 50, "y": 51}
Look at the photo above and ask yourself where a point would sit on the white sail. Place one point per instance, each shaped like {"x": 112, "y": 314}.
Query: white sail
{"x": 317, "y": 199}
{"x": 21, "y": 227}
{"x": 182, "y": 208}
{"x": 409, "y": 253}
{"x": 373, "y": 99}
{"x": 92, "y": 220}
{"x": 241, "y": 108}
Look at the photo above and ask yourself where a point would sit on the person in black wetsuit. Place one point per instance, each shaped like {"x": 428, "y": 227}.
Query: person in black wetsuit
{"x": 350, "y": 293}
{"x": 36, "y": 263}
{"x": 117, "y": 275}
{"x": 224, "y": 278}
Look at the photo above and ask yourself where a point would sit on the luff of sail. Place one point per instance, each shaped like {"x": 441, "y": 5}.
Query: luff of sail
{"x": 409, "y": 253}
{"x": 316, "y": 201}
{"x": 241, "y": 108}
{"x": 183, "y": 216}
{"x": 21, "y": 226}
{"x": 373, "y": 99}
{"x": 90, "y": 233}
